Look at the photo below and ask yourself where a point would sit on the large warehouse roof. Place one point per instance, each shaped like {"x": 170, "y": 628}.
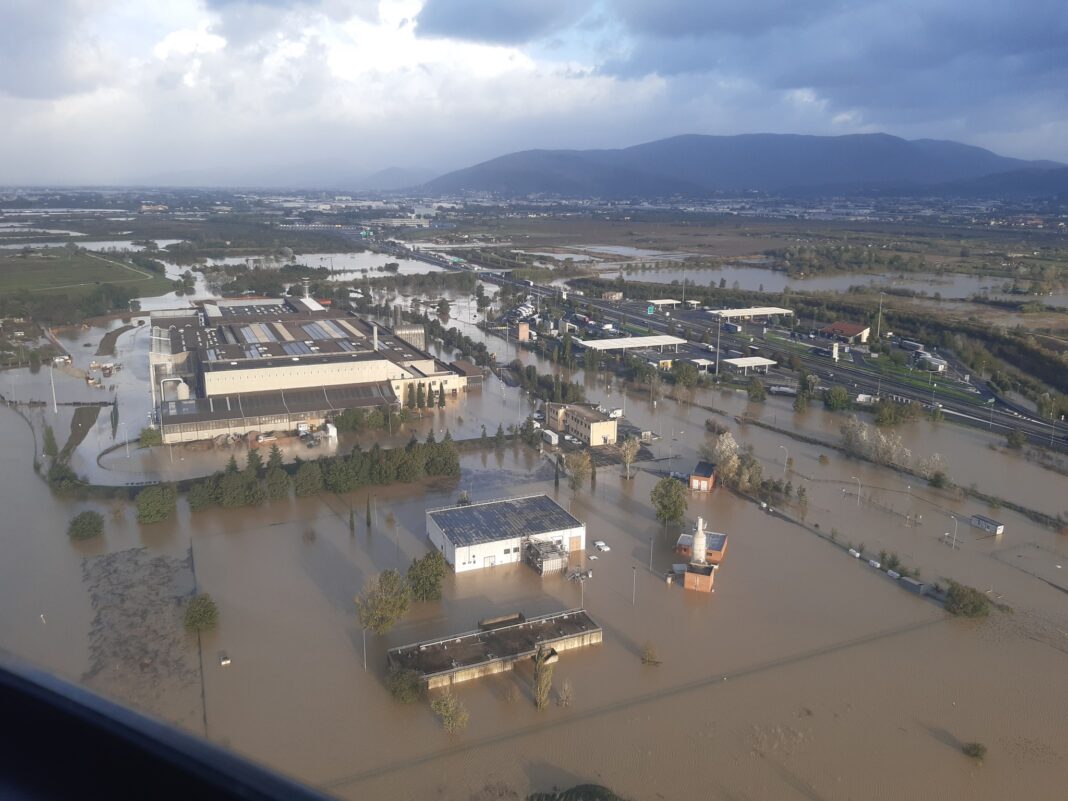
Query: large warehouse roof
{"x": 756, "y": 311}
{"x": 490, "y": 521}
{"x": 751, "y": 361}
{"x": 629, "y": 343}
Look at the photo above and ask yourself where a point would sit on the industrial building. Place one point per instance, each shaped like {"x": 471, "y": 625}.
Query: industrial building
{"x": 585, "y": 423}
{"x": 479, "y": 535}
{"x": 849, "y": 333}
{"x": 234, "y": 367}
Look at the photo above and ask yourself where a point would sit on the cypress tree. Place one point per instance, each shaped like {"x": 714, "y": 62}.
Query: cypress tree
{"x": 441, "y": 395}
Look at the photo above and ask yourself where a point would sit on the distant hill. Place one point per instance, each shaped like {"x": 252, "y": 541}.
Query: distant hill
{"x": 695, "y": 165}
{"x": 1019, "y": 184}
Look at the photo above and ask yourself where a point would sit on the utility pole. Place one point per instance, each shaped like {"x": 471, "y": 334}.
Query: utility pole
{"x": 633, "y": 585}
{"x": 879, "y": 319}
{"x": 719, "y": 330}
{"x": 651, "y": 554}
{"x": 52, "y": 378}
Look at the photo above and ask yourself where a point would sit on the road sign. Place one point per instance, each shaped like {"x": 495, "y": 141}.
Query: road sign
{"x": 650, "y": 310}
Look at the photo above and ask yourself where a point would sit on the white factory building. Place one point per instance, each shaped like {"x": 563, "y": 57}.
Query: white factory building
{"x": 479, "y": 535}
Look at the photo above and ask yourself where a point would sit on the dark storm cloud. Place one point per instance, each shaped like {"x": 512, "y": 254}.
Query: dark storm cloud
{"x": 498, "y": 21}
{"x": 905, "y": 60}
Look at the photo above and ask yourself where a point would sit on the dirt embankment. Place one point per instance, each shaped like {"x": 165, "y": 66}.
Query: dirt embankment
{"x": 80, "y": 425}
{"x": 107, "y": 344}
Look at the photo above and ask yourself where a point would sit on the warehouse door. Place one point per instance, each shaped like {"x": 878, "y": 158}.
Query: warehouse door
{"x": 489, "y": 561}
{"x": 576, "y": 544}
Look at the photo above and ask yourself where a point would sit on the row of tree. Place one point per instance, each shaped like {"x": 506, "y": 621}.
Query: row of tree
{"x": 259, "y": 482}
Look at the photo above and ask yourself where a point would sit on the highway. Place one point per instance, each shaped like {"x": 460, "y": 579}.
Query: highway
{"x": 987, "y": 411}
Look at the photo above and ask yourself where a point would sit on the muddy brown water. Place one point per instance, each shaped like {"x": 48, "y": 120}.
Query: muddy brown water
{"x": 806, "y": 674}
{"x": 803, "y": 675}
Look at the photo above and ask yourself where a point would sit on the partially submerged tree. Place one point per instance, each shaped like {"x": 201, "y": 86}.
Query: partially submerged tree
{"x": 628, "y": 452}
{"x": 383, "y": 602}
{"x": 405, "y": 685}
{"x": 451, "y": 711}
{"x": 155, "y": 504}
{"x": 543, "y": 676}
{"x": 86, "y": 525}
{"x": 202, "y": 614}
{"x": 425, "y": 576}
{"x": 669, "y": 500}
{"x": 578, "y": 467}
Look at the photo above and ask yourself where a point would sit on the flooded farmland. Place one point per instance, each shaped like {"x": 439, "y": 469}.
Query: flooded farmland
{"x": 803, "y": 675}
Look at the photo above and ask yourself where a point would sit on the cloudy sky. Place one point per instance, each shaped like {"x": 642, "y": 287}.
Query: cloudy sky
{"x": 117, "y": 91}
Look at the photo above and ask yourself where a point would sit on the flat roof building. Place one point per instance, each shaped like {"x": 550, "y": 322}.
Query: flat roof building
{"x": 750, "y": 313}
{"x": 585, "y": 423}
{"x": 632, "y": 343}
{"x": 479, "y": 535}
{"x": 758, "y": 364}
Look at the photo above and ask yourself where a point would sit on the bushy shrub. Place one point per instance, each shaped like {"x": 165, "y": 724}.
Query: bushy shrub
{"x": 85, "y": 526}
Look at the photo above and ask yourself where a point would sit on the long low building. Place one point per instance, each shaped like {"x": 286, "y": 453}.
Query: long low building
{"x": 479, "y": 535}
{"x": 750, "y": 313}
{"x": 744, "y": 364}
{"x": 632, "y": 343}
{"x": 494, "y": 648}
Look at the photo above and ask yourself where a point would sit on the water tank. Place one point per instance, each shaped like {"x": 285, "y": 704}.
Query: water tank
{"x": 183, "y": 391}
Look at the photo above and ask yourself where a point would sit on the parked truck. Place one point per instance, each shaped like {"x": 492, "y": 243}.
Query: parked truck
{"x": 551, "y": 437}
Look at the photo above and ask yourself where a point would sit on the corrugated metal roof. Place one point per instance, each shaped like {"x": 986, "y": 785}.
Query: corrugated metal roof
{"x": 504, "y": 519}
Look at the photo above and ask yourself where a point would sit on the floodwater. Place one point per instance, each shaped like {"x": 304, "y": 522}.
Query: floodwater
{"x": 96, "y": 245}
{"x": 803, "y": 676}
{"x": 345, "y": 266}
{"x": 954, "y": 286}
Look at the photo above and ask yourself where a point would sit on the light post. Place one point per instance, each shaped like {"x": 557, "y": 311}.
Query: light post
{"x": 633, "y": 585}
{"x": 954, "y": 544}
{"x": 858, "y": 490}
{"x": 126, "y": 438}
{"x": 879, "y": 320}
{"x": 990, "y": 423}
{"x": 650, "y": 554}
{"x": 786, "y": 460}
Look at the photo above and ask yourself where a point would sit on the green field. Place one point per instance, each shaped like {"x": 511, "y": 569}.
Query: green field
{"x": 59, "y": 270}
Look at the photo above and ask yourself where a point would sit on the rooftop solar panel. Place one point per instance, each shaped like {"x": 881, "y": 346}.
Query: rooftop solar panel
{"x": 504, "y": 519}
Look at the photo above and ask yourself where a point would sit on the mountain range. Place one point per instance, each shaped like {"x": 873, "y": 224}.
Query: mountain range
{"x": 696, "y": 165}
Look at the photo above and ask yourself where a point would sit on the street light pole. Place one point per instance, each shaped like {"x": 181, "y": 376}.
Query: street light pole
{"x": 879, "y": 320}
{"x": 650, "y": 554}
{"x": 990, "y": 424}
{"x": 858, "y": 490}
{"x": 633, "y": 585}
{"x": 786, "y": 461}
